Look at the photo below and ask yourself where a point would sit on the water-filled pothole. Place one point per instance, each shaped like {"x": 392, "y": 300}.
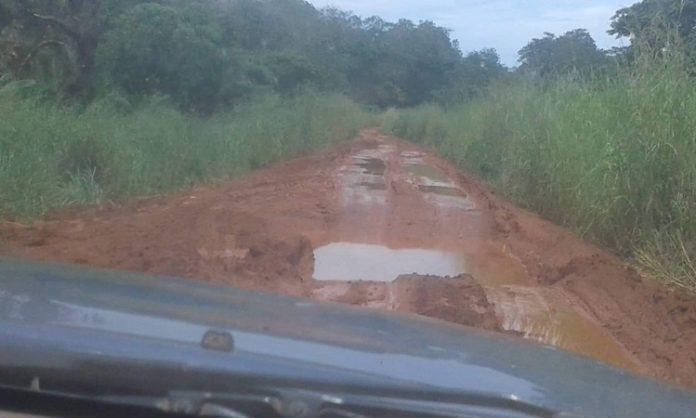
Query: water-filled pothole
{"x": 427, "y": 172}
{"x": 373, "y": 185}
{"x": 372, "y": 166}
{"x": 436, "y": 186}
{"x": 356, "y": 262}
{"x": 441, "y": 190}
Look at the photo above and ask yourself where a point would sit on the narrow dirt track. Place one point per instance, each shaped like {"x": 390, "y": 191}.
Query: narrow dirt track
{"x": 378, "y": 222}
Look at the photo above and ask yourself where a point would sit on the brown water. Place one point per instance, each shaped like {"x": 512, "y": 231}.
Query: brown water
{"x": 379, "y": 240}
{"x": 546, "y": 315}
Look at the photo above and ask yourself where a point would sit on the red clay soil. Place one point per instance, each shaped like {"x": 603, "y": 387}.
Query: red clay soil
{"x": 260, "y": 231}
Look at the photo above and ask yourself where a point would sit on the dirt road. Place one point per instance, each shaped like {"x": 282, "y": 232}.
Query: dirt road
{"x": 380, "y": 223}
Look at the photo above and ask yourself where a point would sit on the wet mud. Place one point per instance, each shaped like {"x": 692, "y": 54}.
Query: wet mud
{"x": 460, "y": 243}
{"x": 382, "y": 224}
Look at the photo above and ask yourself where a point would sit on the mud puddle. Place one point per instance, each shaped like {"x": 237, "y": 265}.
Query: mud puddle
{"x": 363, "y": 178}
{"x": 370, "y": 165}
{"x": 364, "y": 260}
{"x": 548, "y": 316}
{"x": 434, "y": 184}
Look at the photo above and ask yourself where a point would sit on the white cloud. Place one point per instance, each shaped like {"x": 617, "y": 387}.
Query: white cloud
{"x": 506, "y": 25}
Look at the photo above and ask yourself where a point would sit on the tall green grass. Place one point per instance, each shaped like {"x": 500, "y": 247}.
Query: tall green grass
{"x": 615, "y": 160}
{"x": 52, "y": 156}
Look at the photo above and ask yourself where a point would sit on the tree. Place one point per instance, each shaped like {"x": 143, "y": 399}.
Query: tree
{"x": 402, "y": 64}
{"x": 479, "y": 68}
{"x": 69, "y": 27}
{"x": 657, "y": 24}
{"x": 204, "y": 53}
{"x": 651, "y": 18}
{"x": 159, "y": 49}
{"x": 472, "y": 77}
{"x": 572, "y": 52}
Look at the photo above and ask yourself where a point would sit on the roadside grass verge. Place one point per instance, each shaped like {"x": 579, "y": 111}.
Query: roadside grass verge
{"x": 614, "y": 160}
{"x": 52, "y": 156}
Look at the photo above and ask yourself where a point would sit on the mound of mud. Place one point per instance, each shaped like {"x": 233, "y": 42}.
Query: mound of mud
{"x": 188, "y": 238}
{"x": 460, "y": 299}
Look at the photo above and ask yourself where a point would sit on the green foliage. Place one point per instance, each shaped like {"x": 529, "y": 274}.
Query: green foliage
{"x": 668, "y": 258}
{"x": 51, "y": 156}
{"x": 289, "y": 71}
{"x": 159, "y": 49}
{"x": 419, "y": 61}
{"x": 472, "y": 78}
{"x": 575, "y": 52}
{"x": 649, "y": 18}
{"x": 658, "y": 26}
{"x": 613, "y": 160}
{"x": 210, "y": 54}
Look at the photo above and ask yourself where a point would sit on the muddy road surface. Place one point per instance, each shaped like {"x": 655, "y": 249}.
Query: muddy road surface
{"x": 382, "y": 224}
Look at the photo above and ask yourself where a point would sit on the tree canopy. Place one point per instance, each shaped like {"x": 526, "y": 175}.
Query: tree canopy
{"x": 154, "y": 48}
{"x": 209, "y": 53}
{"x": 206, "y": 54}
{"x": 657, "y": 25}
{"x": 649, "y": 17}
{"x": 572, "y": 52}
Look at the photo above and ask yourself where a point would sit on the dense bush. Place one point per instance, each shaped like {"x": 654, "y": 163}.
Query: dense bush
{"x": 154, "y": 49}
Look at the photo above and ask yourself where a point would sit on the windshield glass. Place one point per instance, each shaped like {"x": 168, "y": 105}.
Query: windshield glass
{"x": 522, "y": 168}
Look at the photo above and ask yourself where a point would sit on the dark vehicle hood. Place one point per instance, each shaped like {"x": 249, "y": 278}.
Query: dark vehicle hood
{"x": 84, "y": 323}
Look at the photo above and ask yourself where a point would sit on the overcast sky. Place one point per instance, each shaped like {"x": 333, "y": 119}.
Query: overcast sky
{"x": 505, "y": 25}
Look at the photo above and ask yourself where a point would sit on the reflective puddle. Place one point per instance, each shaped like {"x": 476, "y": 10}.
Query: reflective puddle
{"x": 376, "y": 263}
